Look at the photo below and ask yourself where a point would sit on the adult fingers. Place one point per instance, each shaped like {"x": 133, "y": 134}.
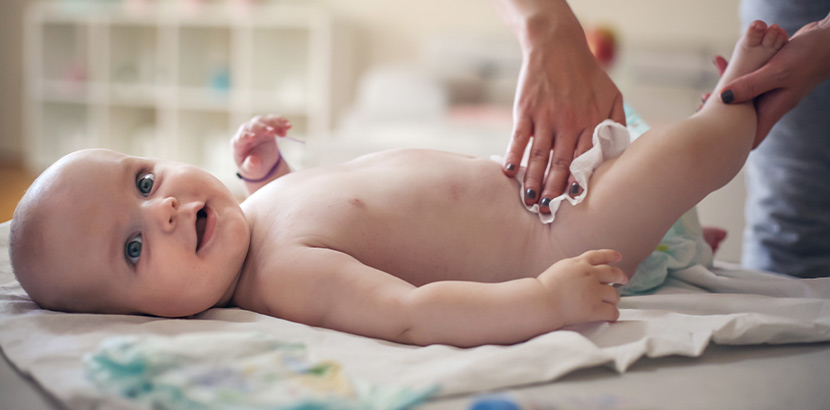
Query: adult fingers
{"x": 574, "y": 189}
{"x": 522, "y": 130}
{"x": 771, "y": 107}
{"x": 560, "y": 165}
{"x": 720, "y": 64}
{"x": 585, "y": 142}
{"x": 601, "y": 256}
{"x": 751, "y": 85}
{"x": 537, "y": 162}
{"x": 617, "y": 111}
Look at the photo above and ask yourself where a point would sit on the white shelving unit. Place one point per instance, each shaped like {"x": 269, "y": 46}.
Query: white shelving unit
{"x": 169, "y": 82}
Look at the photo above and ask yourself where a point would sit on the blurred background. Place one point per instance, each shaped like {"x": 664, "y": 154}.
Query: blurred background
{"x": 174, "y": 79}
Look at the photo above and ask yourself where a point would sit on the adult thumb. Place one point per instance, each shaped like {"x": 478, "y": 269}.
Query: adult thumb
{"x": 749, "y": 86}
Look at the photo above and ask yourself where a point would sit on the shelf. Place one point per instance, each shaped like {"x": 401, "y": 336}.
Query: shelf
{"x": 62, "y": 91}
{"x": 67, "y": 58}
{"x": 133, "y": 56}
{"x": 172, "y": 82}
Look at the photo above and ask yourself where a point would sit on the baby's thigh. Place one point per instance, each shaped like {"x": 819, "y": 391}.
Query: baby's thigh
{"x": 610, "y": 218}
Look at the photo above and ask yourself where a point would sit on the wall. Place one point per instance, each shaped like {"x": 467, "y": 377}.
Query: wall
{"x": 394, "y": 29}
{"x": 11, "y": 78}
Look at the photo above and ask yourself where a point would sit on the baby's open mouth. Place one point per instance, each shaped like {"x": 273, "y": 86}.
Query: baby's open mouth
{"x": 201, "y": 221}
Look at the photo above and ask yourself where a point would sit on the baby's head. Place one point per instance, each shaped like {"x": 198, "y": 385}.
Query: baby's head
{"x": 103, "y": 232}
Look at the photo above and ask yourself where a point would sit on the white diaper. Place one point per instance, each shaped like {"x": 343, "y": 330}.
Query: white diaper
{"x": 610, "y": 140}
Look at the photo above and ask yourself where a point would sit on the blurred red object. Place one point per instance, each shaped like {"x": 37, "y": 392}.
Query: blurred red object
{"x": 603, "y": 44}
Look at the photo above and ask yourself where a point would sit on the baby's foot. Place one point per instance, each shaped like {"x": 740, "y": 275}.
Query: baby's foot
{"x": 713, "y": 236}
{"x": 757, "y": 46}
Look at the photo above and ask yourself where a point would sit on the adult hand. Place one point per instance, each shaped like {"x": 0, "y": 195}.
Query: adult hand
{"x": 779, "y": 85}
{"x": 562, "y": 95}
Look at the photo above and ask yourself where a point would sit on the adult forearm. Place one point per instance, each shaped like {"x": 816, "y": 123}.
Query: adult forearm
{"x": 472, "y": 313}
{"x": 535, "y": 22}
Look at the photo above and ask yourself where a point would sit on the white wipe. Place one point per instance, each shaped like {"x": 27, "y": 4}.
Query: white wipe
{"x": 610, "y": 140}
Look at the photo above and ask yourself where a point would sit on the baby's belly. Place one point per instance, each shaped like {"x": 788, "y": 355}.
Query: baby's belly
{"x": 437, "y": 216}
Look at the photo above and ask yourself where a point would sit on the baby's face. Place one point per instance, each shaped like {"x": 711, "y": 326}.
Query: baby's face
{"x": 156, "y": 237}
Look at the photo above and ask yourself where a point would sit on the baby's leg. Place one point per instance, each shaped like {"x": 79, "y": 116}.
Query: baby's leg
{"x": 635, "y": 198}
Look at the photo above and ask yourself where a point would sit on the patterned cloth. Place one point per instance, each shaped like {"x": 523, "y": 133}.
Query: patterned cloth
{"x": 233, "y": 371}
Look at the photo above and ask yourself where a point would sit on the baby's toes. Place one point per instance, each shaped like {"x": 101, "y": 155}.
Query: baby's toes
{"x": 755, "y": 33}
{"x": 771, "y": 36}
{"x": 782, "y": 39}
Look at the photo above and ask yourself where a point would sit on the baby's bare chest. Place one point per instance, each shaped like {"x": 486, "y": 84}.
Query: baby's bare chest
{"x": 421, "y": 218}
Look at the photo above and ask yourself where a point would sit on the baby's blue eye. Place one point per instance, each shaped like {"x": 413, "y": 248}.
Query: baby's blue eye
{"x": 132, "y": 250}
{"x": 145, "y": 183}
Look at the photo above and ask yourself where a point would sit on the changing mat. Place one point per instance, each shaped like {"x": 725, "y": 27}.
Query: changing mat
{"x": 695, "y": 307}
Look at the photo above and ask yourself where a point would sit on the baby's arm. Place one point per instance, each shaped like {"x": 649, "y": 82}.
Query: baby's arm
{"x": 328, "y": 288}
{"x": 256, "y": 153}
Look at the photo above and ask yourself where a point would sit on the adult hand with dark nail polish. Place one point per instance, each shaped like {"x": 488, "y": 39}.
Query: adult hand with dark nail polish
{"x": 780, "y": 84}
{"x": 562, "y": 94}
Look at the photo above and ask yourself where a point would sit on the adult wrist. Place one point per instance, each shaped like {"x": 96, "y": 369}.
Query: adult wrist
{"x": 555, "y": 23}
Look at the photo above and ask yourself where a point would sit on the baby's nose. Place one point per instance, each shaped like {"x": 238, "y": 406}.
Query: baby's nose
{"x": 165, "y": 211}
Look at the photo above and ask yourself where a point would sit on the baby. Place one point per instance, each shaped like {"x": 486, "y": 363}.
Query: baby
{"x": 411, "y": 246}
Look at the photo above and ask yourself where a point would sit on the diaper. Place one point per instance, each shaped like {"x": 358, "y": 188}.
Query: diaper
{"x": 682, "y": 246}
{"x": 226, "y": 370}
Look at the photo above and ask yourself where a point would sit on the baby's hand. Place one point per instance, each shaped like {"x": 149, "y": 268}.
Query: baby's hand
{"x": 580, "y": 287}
{"x": 255, "y": 147}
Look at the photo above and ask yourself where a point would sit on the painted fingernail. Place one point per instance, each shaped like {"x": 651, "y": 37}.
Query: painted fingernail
{"x": 530, "y": 194}
{"x": 545, "y": 202}
{"x": 727, "y": 96}
{"x": 510, "y": 167}
{"x": 574, "y": 189}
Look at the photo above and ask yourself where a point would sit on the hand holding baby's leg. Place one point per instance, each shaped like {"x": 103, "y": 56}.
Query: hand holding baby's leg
{"x": 255, "y": 147}
{"x": 580, "y": 287}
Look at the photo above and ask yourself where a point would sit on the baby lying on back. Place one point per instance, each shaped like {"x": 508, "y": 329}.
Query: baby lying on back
{"x": 412, "y": 246}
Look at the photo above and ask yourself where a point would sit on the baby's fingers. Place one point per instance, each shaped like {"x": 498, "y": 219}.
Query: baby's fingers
{"x": 608, "y": 274}
{"x": 607, "y": 312}
{"x": 601, "y": 256}
{"x": 251, "y": 164}
{"x": 609, "y": 294}
{"x": 261, "y": 128}
{"x": 278, "y": 123}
